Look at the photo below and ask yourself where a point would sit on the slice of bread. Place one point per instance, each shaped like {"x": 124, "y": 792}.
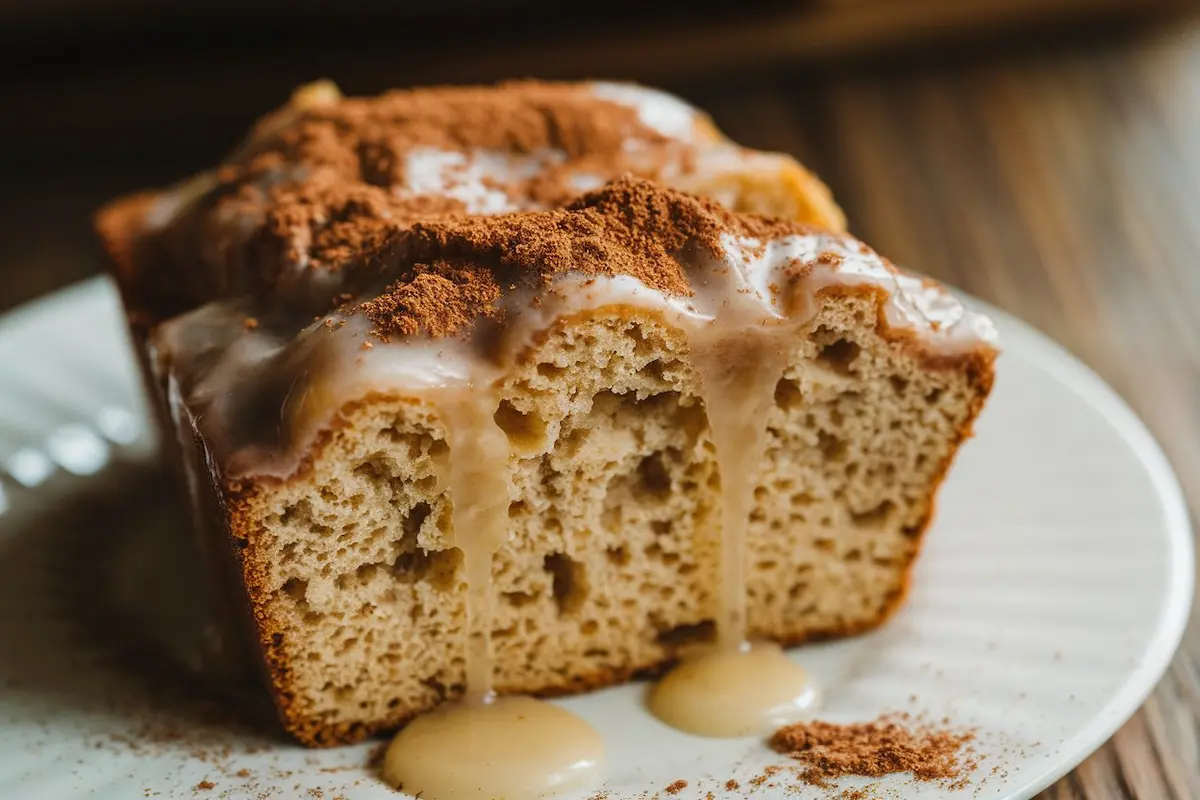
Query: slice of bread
{"x": 316, "y": 453}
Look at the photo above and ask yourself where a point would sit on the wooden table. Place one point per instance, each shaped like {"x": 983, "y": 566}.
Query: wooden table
{"x": 1060, "y": 183}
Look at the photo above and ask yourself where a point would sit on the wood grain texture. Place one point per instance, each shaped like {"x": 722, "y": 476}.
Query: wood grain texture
{"x": 1062, "y": 185}
{"x": 1064, "y": 188}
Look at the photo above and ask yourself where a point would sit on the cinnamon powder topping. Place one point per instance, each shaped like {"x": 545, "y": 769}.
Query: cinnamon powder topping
{"x": 326, "y": 225}
{"x": 890, "y": 744}
{"x": 440, "y": 299}
{"x": 631, "y": 227}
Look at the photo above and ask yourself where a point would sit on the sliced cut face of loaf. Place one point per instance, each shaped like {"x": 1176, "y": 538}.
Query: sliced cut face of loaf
{"x": 610, "y": 565}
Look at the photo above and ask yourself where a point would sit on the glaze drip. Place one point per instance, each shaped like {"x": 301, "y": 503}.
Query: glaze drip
{"x": 476, "y": 480}
{"x": 738, "y": 380}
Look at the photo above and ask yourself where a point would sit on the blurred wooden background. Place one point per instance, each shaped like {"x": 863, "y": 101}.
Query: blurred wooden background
{"x": 104, "y": 96}
{"x": 1042, "y": 154}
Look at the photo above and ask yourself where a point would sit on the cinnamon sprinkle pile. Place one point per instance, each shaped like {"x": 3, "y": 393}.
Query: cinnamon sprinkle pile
{"x": 891, "y": 744}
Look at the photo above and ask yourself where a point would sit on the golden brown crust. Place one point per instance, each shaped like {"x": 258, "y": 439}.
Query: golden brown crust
{"x": 793, "y": 192}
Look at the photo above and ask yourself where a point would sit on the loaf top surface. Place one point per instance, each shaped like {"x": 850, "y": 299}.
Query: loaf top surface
{"x": 321, "y": 183}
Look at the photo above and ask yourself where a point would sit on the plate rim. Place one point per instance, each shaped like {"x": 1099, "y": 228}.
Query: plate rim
{"x": 1178, "y": 597}
{"x": 1055, "y": 359}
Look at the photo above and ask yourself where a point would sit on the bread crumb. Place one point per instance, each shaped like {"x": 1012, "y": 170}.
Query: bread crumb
{"x": 677, "y": 787}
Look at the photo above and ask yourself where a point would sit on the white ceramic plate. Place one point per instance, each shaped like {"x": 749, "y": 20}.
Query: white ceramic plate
{"x": 1051, "y": 595}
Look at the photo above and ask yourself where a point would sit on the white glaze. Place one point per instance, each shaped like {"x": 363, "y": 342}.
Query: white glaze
{"x": 473, "y": 177}
{"x": 664, "y": 113}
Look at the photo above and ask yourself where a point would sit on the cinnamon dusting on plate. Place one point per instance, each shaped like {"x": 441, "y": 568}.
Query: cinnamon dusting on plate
{"x": 895, "y": 743}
